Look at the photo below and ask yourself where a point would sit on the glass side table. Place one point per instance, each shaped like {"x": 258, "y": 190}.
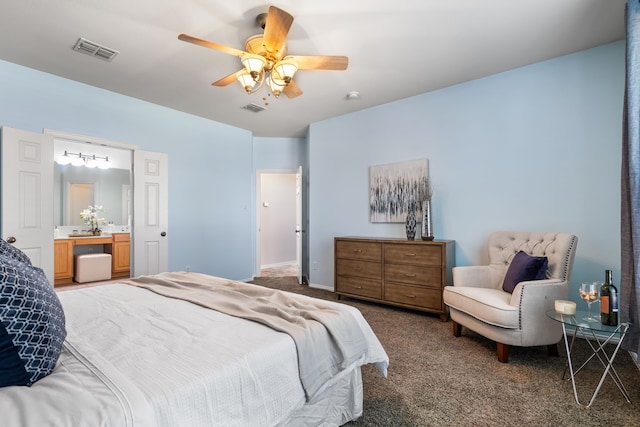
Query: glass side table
{"x": 588, "y": 330}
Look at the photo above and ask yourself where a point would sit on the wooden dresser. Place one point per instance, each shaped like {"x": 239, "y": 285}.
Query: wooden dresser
{"x": 405, "y": 273}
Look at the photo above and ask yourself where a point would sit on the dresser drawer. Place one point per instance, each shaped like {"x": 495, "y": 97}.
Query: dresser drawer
{"x": 417, "y": 275}
{"x": 358, "y": 286}
{"x": 414, "y": 295}
{"x": 413, "y": 254}
{"x": 366, "y": 251}
{"x": 365, "y": 269}
{"x": 121, "y": 237}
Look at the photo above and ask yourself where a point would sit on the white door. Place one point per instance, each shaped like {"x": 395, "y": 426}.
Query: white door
{"x": 151, "y": 213}
{"x": 299, "y": 223}
{"x": 27, "y": 195}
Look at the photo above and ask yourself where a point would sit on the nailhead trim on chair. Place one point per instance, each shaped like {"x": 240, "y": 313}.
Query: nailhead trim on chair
{"x": 567, "y": 272}
{"x": 548, "y": 251}
{"x": 529, "y": 245}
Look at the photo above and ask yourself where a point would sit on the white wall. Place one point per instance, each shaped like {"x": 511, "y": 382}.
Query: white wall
{"x": 537, "y": 148}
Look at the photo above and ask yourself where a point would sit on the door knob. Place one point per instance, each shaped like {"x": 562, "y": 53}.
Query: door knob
{"x": 164, "y": 233}
{"x": 11, "y": 239}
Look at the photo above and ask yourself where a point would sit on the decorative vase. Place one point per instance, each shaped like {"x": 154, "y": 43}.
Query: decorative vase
{"x": 410, "y": 224}
{"x": 427, "y": 224}
{"x": 96, "y": 232}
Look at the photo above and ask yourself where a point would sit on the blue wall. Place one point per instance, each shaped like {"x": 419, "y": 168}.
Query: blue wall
{"x": 282, "y": 154}
{"x": 279, "y": 153}
{"x": 210, "y": 164}
{"x": 536, "y": 148}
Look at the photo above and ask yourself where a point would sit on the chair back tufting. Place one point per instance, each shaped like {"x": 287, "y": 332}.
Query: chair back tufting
{"x": 559, "y": 248}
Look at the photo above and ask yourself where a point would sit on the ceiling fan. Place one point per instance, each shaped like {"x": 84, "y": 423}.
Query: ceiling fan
{"x": 264, "y": 59}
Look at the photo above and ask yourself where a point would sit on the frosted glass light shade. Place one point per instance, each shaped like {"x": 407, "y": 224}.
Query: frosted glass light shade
{"x": 77, "y": 161}
{"x": 254, "y": 64}
{"x": 246, "y": 81}
{"x": 91, "y": 162}
{"x": 283, "y": 72}
{"x": 63, "y": 159}
{"x": 276, "y": 88}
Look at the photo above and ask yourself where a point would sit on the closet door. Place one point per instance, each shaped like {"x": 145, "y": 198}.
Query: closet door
{"x": 151, "y": 213}
{"x": 27, "y": 195}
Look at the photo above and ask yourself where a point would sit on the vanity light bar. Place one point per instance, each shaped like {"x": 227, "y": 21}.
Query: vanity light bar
{"x": 79, "y": 159}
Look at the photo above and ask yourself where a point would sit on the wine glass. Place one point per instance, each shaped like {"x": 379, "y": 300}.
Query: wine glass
{"x": 589, "y": 292}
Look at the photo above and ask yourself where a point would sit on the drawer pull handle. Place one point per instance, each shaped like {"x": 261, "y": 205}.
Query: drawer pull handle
{"x": 410, "y": 254}
{"x": 357, "y": 268}
{"x": 358, "y": 287}
{"x": 410, "y": 296}
{"x": 357, "y": 251}
{"x": 410, "y": 274}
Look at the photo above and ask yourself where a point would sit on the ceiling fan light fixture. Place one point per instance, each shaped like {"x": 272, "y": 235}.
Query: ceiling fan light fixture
{"x": 265, "y": 59}
{"x": 246, "y": 80}
{"x": 284, "y": 71}
{"x": 275, "y": 87}
{"x": 254, "y": 64}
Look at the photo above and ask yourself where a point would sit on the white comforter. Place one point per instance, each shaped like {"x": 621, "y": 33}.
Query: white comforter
{"x": 133, "y": 357}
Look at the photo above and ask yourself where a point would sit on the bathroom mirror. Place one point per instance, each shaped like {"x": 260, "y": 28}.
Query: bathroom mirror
{"x": 77, "y": 187}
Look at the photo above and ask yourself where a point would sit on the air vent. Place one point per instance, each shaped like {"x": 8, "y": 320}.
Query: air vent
{"x": 253, "y": 107}
{"x": 94, "y": 49}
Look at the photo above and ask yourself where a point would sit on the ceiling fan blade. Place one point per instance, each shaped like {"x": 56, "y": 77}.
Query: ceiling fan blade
{"x": 211, "y": 45}
{"x": 276, "y": 29}
{"x": 320, "y": 62}
{"x": 292, "y": 90}
{"x": 225, "y": 81}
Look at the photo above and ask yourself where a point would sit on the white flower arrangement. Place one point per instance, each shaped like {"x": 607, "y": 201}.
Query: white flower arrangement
{"x": 90, "y": 218}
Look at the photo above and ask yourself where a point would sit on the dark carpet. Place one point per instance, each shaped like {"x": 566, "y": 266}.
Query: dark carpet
{"x": 436, "y": 379}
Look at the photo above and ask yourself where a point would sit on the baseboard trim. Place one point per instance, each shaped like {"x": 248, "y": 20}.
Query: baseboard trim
{"x": 278, "y": 264}
{"x": 323, "y": 287}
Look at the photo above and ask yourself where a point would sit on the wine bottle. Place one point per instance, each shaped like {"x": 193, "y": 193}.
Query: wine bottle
{"x": 605, "y": 299}
{"x": 613, "y": 305}
{"x": 609, "y": 301}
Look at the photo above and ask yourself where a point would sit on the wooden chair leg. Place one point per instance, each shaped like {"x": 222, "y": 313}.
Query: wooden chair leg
{"x": 457, "y": 329}
{"x": 503, "y": 352}
{"x": 552, "y": 350}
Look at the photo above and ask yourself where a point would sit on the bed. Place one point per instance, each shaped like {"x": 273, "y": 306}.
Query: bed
{"x": 187, "y": 349}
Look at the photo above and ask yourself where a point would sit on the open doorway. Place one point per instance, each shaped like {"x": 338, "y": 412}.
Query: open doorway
{"x": 277, "y": 242}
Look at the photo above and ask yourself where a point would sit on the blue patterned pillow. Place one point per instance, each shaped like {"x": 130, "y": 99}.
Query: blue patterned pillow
{"x": 32, "y": 324}
{"x": 8, "y": 250}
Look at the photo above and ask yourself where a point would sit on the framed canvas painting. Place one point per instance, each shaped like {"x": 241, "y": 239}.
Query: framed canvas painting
{"x": 394, "y": 188}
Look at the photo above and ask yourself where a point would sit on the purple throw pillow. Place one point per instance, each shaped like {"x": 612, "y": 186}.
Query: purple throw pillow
{"x": 524, "y": 267}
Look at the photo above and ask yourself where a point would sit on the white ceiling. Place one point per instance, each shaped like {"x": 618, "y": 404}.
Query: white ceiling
{"x": 397, "y": 49}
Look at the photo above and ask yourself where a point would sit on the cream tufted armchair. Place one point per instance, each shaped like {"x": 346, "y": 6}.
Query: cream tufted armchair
{"x": 477, "y": 299}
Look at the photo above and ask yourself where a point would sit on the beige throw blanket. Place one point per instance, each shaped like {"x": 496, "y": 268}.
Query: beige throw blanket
{"x": 327, "y": 337}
